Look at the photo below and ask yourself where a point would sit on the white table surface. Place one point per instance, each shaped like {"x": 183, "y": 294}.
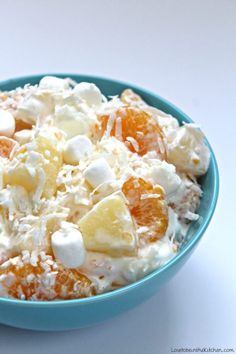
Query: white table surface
{"x": 185, "y": 51}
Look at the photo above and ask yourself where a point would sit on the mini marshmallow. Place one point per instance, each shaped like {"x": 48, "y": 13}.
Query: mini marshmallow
{"x": 99, "y": 172}
{"x": 23, "y": 136}
{"x": 89, "y": 93}
{"x": 77, "y": 149}
{"x": 7, "y": 123}
{"x": 53, "y": 83}
{"x": 68, "y": 246}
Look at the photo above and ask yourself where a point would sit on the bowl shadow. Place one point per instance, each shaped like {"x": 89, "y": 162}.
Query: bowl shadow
{"x": 138, "y": 330}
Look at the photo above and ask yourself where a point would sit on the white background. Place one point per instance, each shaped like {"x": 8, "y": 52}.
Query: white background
{"x": 184, "y": 50}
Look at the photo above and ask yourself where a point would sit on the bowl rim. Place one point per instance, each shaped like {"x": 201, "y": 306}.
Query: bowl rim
{"x": 175, "y": 260}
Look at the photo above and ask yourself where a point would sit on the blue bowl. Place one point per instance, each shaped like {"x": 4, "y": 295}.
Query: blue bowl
{"x": 71, "y": 314}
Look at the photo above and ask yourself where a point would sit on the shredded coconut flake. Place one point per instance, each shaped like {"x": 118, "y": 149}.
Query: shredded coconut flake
{"x": 149, "y": 196}
{"x": 118, "y": 132}
{"x": 110, "y": 124}
{"x": 133, "y": 142}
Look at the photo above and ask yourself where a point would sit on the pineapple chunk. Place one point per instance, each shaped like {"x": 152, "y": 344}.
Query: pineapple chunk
{"x": 19, "y": 176}
{"x": 51, "y": 165}
{"x": 50, "y": 162}
{"x": 109, "y": 227}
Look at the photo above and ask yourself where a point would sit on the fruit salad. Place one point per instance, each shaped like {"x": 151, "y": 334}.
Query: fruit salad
{"x": 95, "y": 192}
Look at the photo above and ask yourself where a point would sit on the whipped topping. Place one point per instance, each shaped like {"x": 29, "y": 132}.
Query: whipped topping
{"x": 107, "y": 271}
{"x": 7, "y": 123}
{"x": 34, "y": 108}
{"x": 168, "y": 124}
{"x": 188, "y": 151}
{"x": 5, "y": 242}
{"x": 73, "y": 121}
{"x": 164, "y": 174}
{"x": 53, "y": 83}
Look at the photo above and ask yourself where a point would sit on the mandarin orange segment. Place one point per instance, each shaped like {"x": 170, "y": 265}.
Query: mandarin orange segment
{"x": 6, "y": 146}
{"x": 20, "y": 125}
{"x": 137, "y": 129}
{"x": 71, "y": 284}
{"x": 17, "y": 285}
{"x": 42, "y": 280}
{"x": 148, "y": 206}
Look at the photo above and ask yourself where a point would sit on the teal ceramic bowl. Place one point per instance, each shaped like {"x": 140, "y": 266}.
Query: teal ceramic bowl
{"x": 63, "y": 315}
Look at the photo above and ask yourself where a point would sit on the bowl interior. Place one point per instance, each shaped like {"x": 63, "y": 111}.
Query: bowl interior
{"x": 209, "y": 182}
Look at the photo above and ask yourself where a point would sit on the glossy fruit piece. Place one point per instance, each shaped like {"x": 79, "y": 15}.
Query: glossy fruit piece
{"x": 25, "y": 281}
{"x": 20, "y": 125}
{"x": 77, "y": 285}
{"x": 6, "y": 146}
{"x": 148, "y": 206}
{"x": 137, "y": 129}
{"x": 51, "y": 164}
{"x": 109, "y": 227}
{"x": 20, "y": 176}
